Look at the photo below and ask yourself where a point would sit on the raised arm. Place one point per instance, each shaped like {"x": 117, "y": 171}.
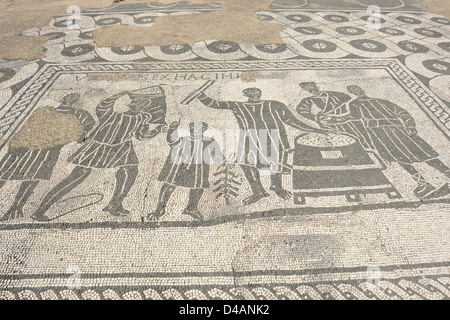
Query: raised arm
{"x": 207, "y": 101}
{"x": 172, "y": 133}
{"x": 108, "y": 104}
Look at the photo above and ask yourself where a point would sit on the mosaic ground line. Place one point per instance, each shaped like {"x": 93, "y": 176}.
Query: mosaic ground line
{"x": 277, "y": 213}
{"x": 415, "y": 267}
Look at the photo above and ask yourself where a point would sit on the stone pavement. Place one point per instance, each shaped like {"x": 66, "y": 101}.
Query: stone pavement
{"x": 313, "y": 168}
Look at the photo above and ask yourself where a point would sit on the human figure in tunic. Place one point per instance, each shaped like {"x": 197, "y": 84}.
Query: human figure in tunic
{"x": 262, "y": 124}
{"x": 390, "y": 131}
{"x": 187, "y": 166}
{"x": 33, "y": 165}
{"x": 110, "y": 145}
{"x": 322, "y": 103}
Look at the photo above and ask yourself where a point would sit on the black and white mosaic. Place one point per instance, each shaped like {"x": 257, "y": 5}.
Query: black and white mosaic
{"x": 356, "y": 193}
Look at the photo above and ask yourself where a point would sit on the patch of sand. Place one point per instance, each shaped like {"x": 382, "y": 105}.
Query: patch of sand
{"x": 47, "y": 128}
{"x": 441, "y": 7}
{"x": 17, "y": 16}
{"x": 249, "y": 76}
{"x": 236, "y": 22}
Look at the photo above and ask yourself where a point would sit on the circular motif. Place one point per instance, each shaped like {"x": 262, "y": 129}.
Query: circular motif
{"x": 351, "y": 31}
{"x": 445, "y": 46}
{"x": 5, "y": 94}
{"x": 392, "y": 31}
{"x": 336, "y": 18}
{"x": 86, "y": 35}
{"x": 441, "y": 20}
{"x": 107, "y": 21}
{"x": 144, "y": 20}
{"x": 368, "y": 45}
{"x": 428, "y": 33}
{"x": 374, "y": 19}
{"x": 176, "y": 49}
{"x": 271, "y": 48}
{"x": 308, "y": 30}
{"x": 440, "y": 85}
{"x": 298, "y": 18}
{"x": 385, "y": 4}
{"x": 412, "y": 46}
{"x": 6, "y": 74}
{"x": 437, "y": 66}
{"x": 223, "y": 47}
{"x": 127, "y": 50}
{"x": 319, "y": 45}
{"x": 64, "y": 23}
{"x": 409, "y": 20}
{"x": 77, "y": 50}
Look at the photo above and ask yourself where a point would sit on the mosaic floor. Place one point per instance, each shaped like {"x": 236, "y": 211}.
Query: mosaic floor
{"x": 352, "y": 204}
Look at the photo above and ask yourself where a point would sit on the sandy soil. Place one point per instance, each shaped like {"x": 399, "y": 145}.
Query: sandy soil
{"x": 235, "y": 22}
{"x": 47, "y": 128}
{"x": 19, "y": 15}
{"x": 441, "y": 7}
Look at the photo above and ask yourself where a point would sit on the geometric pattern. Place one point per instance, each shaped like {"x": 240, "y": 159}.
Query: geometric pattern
{"x": 420, "y": 39}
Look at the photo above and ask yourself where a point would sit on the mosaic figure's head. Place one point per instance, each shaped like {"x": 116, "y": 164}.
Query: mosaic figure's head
{"x": 252, "y": 93}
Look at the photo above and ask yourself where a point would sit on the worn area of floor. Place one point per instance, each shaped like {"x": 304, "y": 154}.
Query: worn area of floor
{"x": 19, "y": 15}
{"x": 437, "y": 6}
{"x": 302, "y": 154}
{"x": 233, "y": 21}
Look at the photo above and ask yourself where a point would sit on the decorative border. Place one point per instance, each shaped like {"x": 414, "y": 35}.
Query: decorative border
{"x": 26, "y": 99}
{"x": 432, "y": 285}
{"x": 310, "y": 34}
{"x": 421, "y": 287}
{"x": 440, "y": 113}
{"x": 342, "y": 5}
{"x": 400, "y": 281}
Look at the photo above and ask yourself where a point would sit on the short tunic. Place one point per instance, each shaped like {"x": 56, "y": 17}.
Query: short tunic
{"x": 38, "y": 164}
{"x": 110, "y": 144}
{"x": 94, "y": 154}
{"x": 26, "y": 164}
{"x": 188, "y": 163}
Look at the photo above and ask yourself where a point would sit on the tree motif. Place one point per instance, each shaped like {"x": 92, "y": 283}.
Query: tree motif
{"x": 228, "y": 182}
